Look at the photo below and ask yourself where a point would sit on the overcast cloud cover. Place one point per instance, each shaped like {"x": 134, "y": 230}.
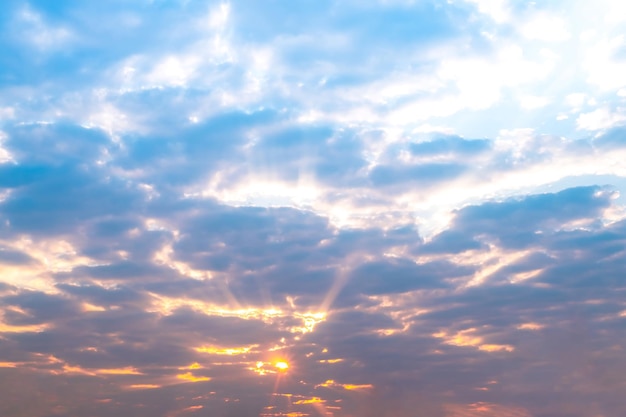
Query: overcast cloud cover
{"x": 416, "y": 205}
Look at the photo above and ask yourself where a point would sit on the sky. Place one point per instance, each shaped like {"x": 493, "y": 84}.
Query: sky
{"x": 382, "y": 208}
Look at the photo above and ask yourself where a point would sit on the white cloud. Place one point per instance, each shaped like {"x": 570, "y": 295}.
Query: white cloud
{"x": 545, "y": 27}
{"x": 604, "y": 69}
{"x": 5, "y": 155}
{"x": 41, "y": 34}
{"x": 575, "y": 100}
{"x": 498, "y": 10}
{"x": 480, "y": 80}
{"x": 602, "y": 118}
{"x": 7, "y": 112}
{"x": 529, "y": 102}
{"x": 219, "y": 16}
{"x": 615, "y": 11}
{"x": 173, "y": 71}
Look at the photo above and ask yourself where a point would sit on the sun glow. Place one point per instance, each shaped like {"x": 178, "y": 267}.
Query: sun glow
{"x": 282, "y": 366}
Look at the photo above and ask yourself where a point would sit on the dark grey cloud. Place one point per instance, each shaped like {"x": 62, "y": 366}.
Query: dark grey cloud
{"x": 520, "y": 223}
{"x": 451, "y": 242}
{"x": 332, "y": 156}
{"x": 248, "y": 237}
{"x": 183, "y": 157}
{"x": 398, "y": 275}
{"x": 102, "y": 296}
{"x": 221, "y": 331}
{"x": 64, "y": 199}
{"x": 14, "y": 257}
{"x": 45, "y": 145}
{"x": 123, "y": 270}
{"x": 419, "y": 175}
{"x": 307, "y": 285}
{"x": 106, "y": 239}
{"x": 614, "y": 138}
{"x": 37, "y": 308}
{"x": 450, "y": 145}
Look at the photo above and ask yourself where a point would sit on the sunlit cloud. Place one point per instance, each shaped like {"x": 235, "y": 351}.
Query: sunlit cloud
{"x": 350, "y": 387}
{"x": 225, "y": 351}
{"x": 144, "y": 386}
{"x": 467, "y": 337}
{"x": 188, "y": 376}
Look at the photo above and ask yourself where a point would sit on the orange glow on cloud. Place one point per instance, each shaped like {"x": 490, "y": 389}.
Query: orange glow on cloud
{"x": 484, "y": 409}
{"x": 93, "y": 372}
{"x": 356, "y": 387}
{"x": 76, "y": 370}
{"x": 194, "y": 365}
{"x": 314, "y": 400}
{"x": 167, "y": 305}
{"x": 193, "y": 407}
{"x": 8, "y": 364}
{"x": 530, "y": 326}
{"x": 350, "y": 387}
{"x": 214, "y": 350}
{"x": 184, "y": 411}
{"x": 330, "y": 360}
{"x": 86, "y": 307}
{"x": 467, "y": 338}
{"x": 188, "y": 376}
{"x": 496, "y": 348}
{"x": 33, "y": 328}
{"x": 119, "y": 371}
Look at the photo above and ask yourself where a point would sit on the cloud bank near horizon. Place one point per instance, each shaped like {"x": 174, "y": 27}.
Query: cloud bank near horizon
{"x": 417, "y": 206}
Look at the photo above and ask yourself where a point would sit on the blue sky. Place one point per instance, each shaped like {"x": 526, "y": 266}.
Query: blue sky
{"x": 415, "y": 207}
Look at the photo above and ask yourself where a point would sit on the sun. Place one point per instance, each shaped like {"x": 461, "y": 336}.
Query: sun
{"x": 282, "y": 366}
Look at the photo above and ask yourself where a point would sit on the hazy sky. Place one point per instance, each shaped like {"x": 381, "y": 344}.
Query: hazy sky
{"x": 346, "y": 208}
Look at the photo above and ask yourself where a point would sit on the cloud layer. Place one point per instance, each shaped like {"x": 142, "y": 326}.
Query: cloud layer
{"x": 315, "y": 209}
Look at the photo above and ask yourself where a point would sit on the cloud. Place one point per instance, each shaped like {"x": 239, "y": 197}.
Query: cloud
{"x": 367, "y": 193}
{"x": 599, "y": 119}
{"x": 398, "y": 276}
{"x": 546, "y": 27}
